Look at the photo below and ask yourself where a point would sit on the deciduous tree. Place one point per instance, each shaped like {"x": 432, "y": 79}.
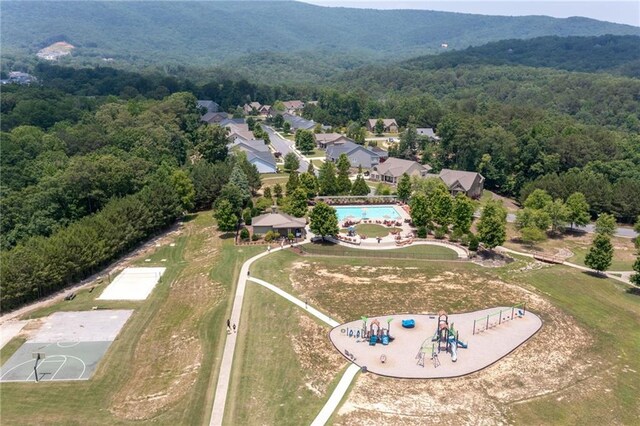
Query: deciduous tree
{"x": 606, "y": 225}
{"x": 600, "y": 253}
{"x": 420, "y": 212}
{"x": 492, "y": 225}
{"x": 323, "y": 220}
{"x": 225, "y": 216}
{"x": 462, "y": 213}
{"x": 578, "y": 209}
{"x": 291, "y": 162}
{"x": 404, "y": 188}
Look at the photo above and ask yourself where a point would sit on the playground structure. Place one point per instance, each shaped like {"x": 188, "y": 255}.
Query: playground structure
{"x": 494, "y": 319}
{"x": 434, "y": 333}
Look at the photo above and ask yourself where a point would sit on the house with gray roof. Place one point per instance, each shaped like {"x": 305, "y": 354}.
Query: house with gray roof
{"x": 427, "y": 132}
{"x": 393, "y": 168}
{"x": 257, "y": 152}
{"x": 298, "y": 122}
{"x": 208, "y": 106}
{"x": 358, "y": 155}
{"x": 281, "y": 223}
{"x": 469, "y": 183}
{"x": 214, "y": 117}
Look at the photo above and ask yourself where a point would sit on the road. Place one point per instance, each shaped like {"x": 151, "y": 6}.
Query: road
{"x": 285, "y": 146}
{"x": 590, "y": 228}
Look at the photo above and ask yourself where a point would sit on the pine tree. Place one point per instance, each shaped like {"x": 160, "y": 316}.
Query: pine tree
{"x": 327, "y": 179}
{"x": 404, "y": 188}
{"x": 239, "y": 178}
{"x": 297, "y": 205}
{"x": 344, "y": 184}
{"x": 293, "y": 183}
{"x": 360, "y": 187}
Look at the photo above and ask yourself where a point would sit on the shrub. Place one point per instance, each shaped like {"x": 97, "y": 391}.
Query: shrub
{"x": 464, "y": 240}
{"x": 244, "y": 234}
{"x": 457, "y": 235}
{"x": 290, "y": 236}
{"x": 255, "y": 237}
{"x": 270, "y": 236}
{"x": 473, "y": 242}
{"x": 440, "y": 233}
{"x": 422, "y": 232}
{"x": 246, "y": 216}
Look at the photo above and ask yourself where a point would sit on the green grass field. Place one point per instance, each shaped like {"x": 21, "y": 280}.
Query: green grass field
{"x": 417, "y": 251}
{"x": 372, "y": 230}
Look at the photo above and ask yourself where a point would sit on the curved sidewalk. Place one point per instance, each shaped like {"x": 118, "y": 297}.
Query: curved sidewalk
{"x": 386, "y": 245}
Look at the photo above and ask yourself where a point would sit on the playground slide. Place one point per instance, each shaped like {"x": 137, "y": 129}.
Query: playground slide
{"x": 462, "y": 345}
{"x": 454, "y": 351}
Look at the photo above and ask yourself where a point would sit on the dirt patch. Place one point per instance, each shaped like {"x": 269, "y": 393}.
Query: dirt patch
{"x": 555, "y": 360}
{"x": 169, "y": 353}
{"x": 318, "y": 357}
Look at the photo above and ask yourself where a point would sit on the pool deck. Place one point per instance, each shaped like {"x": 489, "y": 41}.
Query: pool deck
{"x": 402, "y": 355}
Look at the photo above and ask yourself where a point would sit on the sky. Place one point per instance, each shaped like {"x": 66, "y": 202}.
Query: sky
{"x": 622, "y": 12}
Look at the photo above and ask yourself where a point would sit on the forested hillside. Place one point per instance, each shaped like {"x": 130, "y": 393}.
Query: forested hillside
{"x": 614, "y": 54}
{"x": 205, "y": 33}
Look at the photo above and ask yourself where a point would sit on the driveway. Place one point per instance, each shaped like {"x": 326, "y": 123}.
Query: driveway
{"x": 285, "y": 146}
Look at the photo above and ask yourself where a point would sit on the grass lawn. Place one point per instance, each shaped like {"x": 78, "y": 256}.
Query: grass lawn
{"x": 317, "y": 163}
{"x": 170, "y": 347}
{"x": 284, "y": 368}
{"x": 421, "y": 251}
{"x": 373, "y": 230}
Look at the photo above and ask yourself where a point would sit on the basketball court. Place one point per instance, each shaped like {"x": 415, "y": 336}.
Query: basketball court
{"x": 133, "y": 284}
{"x": 68, "y": 346}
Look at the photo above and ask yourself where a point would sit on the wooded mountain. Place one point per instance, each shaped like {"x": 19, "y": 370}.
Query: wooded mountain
{"x": 614, "y": 54}
{"x": 204, "y": 33}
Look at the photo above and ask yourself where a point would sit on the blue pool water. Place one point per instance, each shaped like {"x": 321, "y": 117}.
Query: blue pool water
{"x": 367, "y": 212}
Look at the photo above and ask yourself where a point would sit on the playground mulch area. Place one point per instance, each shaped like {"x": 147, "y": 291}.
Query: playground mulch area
{"x": 68, "y": 346}
{"x": 409, "y": 355}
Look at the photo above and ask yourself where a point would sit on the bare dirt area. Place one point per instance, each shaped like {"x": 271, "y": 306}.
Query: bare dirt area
{"x": 318, "y": 358}
{"x": 552, "y": 361}
{"x": 168, "y": 355}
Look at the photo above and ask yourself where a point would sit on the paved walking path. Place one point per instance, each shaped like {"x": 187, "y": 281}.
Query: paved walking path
{"x": 338, "y": 393}
{"x": 388, "y": 243}
{"x": 296, "y": 301}
{"x": 224, "y": 374}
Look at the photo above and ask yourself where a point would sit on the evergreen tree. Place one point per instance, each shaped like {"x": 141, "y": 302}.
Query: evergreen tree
{"x": 311, "y": 169}
{"x": 305, "y": 141}
{"x": 578, "y": 209}
{"x": 267, "y": 192}
{"x": 239, "y": 179}
{"x": 420, "y": 212}
{"x": 360, "y": 187}
{"x": 297, "y": 205}
{"x": 309, "y": 182}
{"x": 606, "y": 224}
{"x": 492, "y": 225}
{"x": 225, "y": 216}
{"x": 441, "y": 205}
{"x": 327, "y": 181}
{"x": 404, "y": 188}
{"x": 600, "y": 253}
{"x": 379, "y": 127}
{"x": 344, "y": 184}
{"x": 635, "y": 278}
{"x": 323, "y": 220}
{"x": 291, "y": 162}
{"x": 250, "y": 170}
{"x": 408, "y": 146}
{"x": 277, "y": 191}
{"x": 462, "y": 214}
{"x": 292, "y": 183}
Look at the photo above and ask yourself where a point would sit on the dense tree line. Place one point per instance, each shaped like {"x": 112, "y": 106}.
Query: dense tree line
{"x": 39, "y": 266}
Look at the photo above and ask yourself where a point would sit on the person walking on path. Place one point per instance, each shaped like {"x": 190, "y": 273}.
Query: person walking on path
{"x": 234, "y": 328}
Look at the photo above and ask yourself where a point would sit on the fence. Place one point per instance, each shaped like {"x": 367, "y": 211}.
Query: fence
{"x": 423, "y": 252}
{"x": 496, "y": 318}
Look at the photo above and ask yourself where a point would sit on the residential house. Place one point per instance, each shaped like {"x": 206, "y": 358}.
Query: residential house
{"x": 323, "y": 140}
{"x": 390, "y": 125}
{"x": 392, "y": 170}
{"x": 469, "y": 183}
{"x": 381, "y": 153}
{"x": 248, "y": 108}
{"x": 266, "y": 110}
{"x": 298, "y": 122}
{"x": 358, "y": 155}
{"x": 257, "y": 152}
{"x": 246, "y": 135}
{"x": 281, "y": 223}
{"x": 293, "y": 107}
{"x": 214, "y": 117}
{"x": 427, "y": 132}
{"x": 227, "y": 121}
{"x": 208, "y": 106}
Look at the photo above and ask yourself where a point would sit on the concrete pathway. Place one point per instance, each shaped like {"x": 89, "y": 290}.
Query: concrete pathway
{"x": 224, "y": 375}
{"x": 316, "y": 313}
{"x": 9, "y": 330}
{"x": 338, "y": 393}
{"x": 388, "y": 243}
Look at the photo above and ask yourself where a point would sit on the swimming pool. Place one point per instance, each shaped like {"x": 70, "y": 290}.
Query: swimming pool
{"x": 367, "y": 212}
